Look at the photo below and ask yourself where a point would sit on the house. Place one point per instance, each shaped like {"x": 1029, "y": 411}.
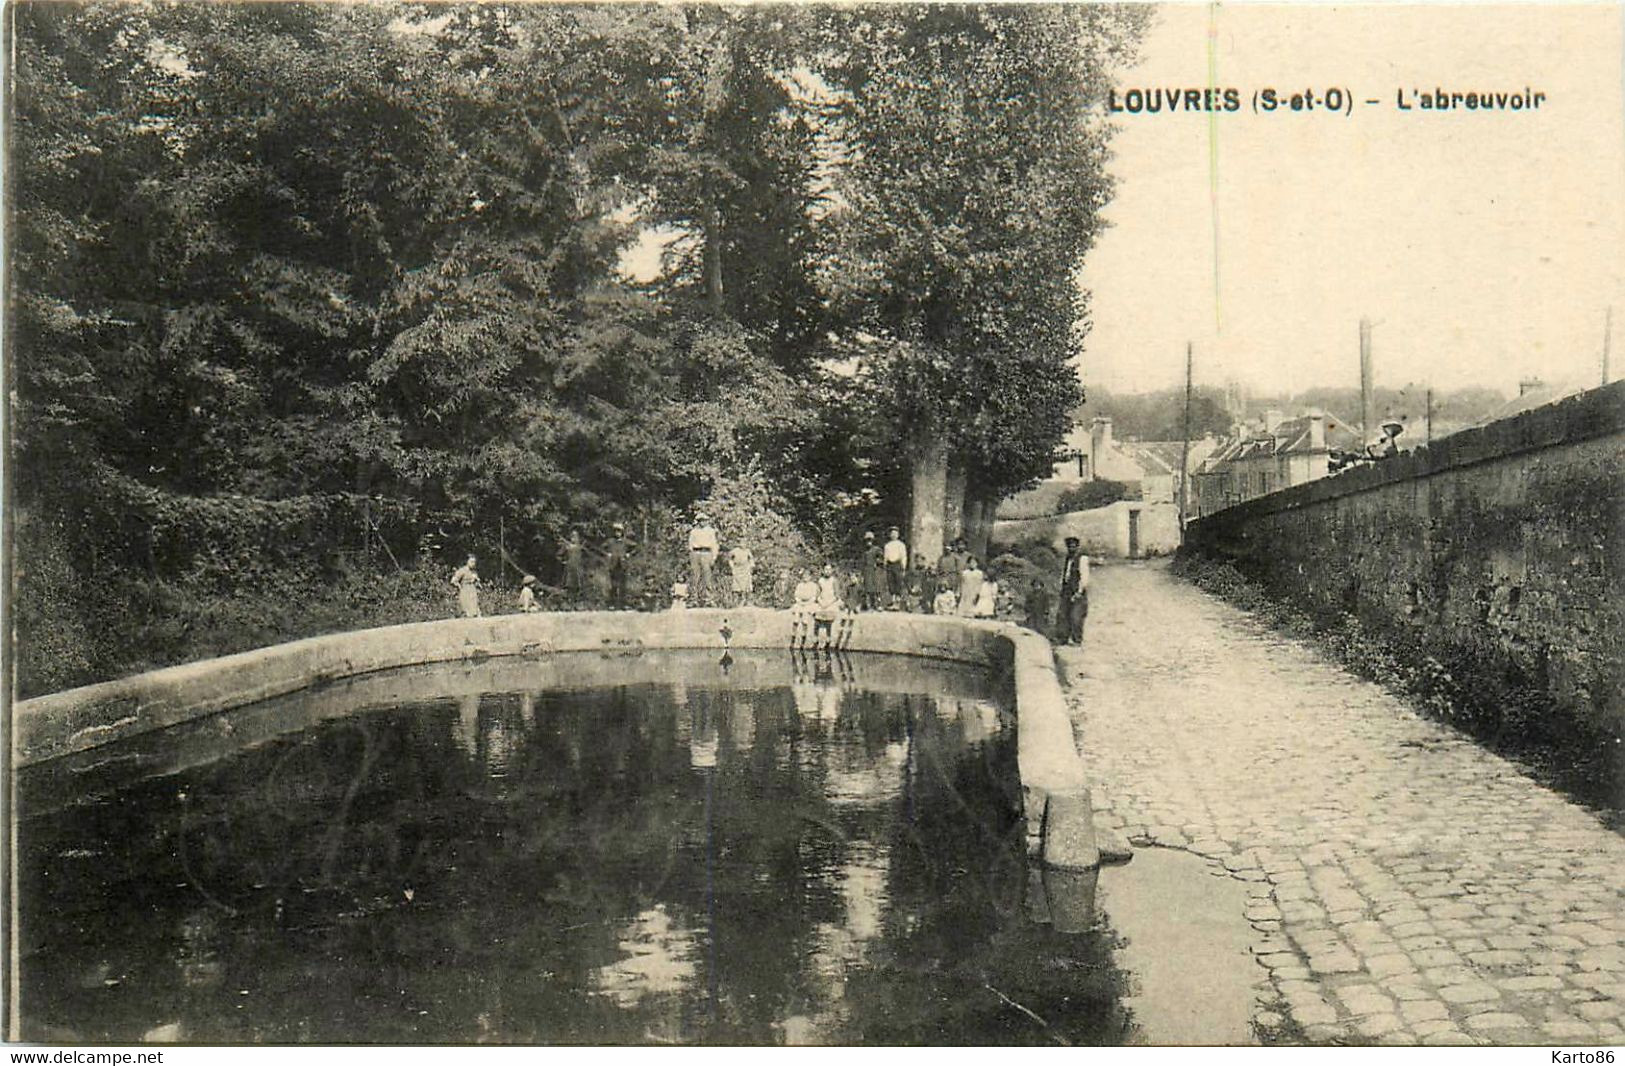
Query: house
{"x": 1150, "y": 466}
{"x": 1277, "y": 453}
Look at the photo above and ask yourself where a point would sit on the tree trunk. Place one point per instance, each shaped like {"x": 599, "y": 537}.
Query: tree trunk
{"x": 953, "y": 506}
{"x": 928, "y": 474}
{"x": 979, "y": 508}
{"x": 713, "y": 258}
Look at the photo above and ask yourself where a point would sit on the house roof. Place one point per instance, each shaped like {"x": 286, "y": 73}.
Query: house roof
{"x": 1291, "y": 437}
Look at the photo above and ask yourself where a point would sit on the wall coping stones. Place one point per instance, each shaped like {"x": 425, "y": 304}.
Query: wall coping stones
{"x": 1598, "y": 412}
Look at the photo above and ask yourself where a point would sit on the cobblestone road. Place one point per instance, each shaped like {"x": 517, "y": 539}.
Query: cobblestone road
{"x": 1407, "y": 886}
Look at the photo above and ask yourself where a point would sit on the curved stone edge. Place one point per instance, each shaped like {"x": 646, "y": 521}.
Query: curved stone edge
{"x": 1052, "y": 776}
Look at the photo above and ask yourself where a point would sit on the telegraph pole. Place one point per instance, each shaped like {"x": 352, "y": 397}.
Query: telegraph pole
{"x": 1429, "y": 418}
{"x": 1185, "y": 450}
{"x": 1607, "y": 338}
{"x": 1368, "y": 414}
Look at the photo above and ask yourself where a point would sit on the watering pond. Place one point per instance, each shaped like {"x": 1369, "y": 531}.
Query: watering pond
{"x": 778, "y": 849}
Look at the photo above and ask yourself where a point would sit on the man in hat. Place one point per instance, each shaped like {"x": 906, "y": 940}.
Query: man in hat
{"x": 874, "y": 573}
{"x": 1386, "y": 445}
{"x": 617, "y": 550}
{"x": 703, "y": 548}
{"x": 952, "y": 562}
{"x": 1074, "y": 605}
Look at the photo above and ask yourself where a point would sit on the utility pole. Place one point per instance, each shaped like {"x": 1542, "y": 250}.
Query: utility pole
{"x": 1607, "y": 338}
{"x": 1367, "y": 413}
{"x": 1429, "y": 439}
{"x": 1185, "y": 450}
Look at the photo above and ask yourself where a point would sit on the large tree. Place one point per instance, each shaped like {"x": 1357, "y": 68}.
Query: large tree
{"x": 974, "y": 178}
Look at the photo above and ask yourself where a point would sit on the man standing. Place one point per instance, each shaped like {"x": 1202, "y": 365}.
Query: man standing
{"x": 874, "y": 572}
{"x": 617, "y": 550}
{"x": 952, "y": 562}
{"x": 574, "y": 557}
{"x": 1074, "y": 606}
{"x": 702, "y": 556}
{"x": 895, "y": 555}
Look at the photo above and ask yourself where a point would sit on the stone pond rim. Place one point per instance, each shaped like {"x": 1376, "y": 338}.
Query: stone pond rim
{"x": 1059, "y": 822}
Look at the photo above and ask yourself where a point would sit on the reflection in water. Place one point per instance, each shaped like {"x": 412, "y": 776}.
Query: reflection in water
{"x": 801, "y": 861}
{"x": 657, "y": 958}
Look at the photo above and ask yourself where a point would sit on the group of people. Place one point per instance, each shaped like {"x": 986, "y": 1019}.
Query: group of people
{"x": 822, "y": 606}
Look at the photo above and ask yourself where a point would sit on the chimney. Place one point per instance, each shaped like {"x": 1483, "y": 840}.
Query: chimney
{"x": 1317, "y": 431}
{"x": 1272, "y": 418}
{"x": 1100, "y": 441}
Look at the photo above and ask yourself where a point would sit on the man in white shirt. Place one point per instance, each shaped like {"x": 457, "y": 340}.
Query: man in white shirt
{"x": 895, "y": 554}
{"x": 702, "y": 556}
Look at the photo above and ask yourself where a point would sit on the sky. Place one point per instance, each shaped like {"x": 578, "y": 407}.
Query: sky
{"x": 1484, "y": 246}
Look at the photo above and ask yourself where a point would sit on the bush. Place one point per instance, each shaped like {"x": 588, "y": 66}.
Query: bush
{"x": 1092, "y": 494}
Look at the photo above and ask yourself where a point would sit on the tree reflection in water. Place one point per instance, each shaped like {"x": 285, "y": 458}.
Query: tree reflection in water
{"x": 808, "y": 860}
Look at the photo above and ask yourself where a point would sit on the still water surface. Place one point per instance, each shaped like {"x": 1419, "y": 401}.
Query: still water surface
{"x": 792, "y": 850}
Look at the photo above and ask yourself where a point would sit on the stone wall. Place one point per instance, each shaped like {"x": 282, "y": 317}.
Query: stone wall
{"x": 1103, "y": 531}
{"x": 1498, "y": 550}
{"x": 580, "y": 649}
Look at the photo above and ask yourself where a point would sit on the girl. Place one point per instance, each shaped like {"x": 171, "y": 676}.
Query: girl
{"x": 467, "y": 583}
{"x": 970, "y": 584}
{"x": 801, "y": 611}
{"x": 987, "y": 599}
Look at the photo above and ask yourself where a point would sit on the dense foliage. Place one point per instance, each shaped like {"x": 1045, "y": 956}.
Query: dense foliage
{"x": 305, "y": 291}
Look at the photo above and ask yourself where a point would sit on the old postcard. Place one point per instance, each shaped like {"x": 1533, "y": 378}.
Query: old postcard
{"x": 867, "y": 525}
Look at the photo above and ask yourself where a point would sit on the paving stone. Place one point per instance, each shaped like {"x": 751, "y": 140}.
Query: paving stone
{"x": 1423, "y": 1010}
{"x": 1404, "y": 991}
{"x": 1435, "y": 959}
{"x": 1496, "y": 1020}
{"x": 1448, "y": 1038}
{"x": 1334, "y": 962}
{"x": 1611, "y": 959}
{"x": 1601, "y": 1010}
{"x": 1528, "y": 984}
{"x": 1498, "y": 960}
{"x": 1364, "y": 999}
{"x": 1313, "y": 1013}
{"x": 1563, "y": 943}
{"x": 1469, "y": 993}
{"x": 1569, "y": 1030}
{"x": 1387, "y": 965}
{"x": 1377, "y": 1025}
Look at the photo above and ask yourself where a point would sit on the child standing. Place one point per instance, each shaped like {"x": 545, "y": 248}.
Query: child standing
{"x": 801, "y": 611}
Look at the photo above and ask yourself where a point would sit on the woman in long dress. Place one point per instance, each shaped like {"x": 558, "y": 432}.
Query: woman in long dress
{"x": 970, "y": 586}
{"x": 467, "y": 583}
